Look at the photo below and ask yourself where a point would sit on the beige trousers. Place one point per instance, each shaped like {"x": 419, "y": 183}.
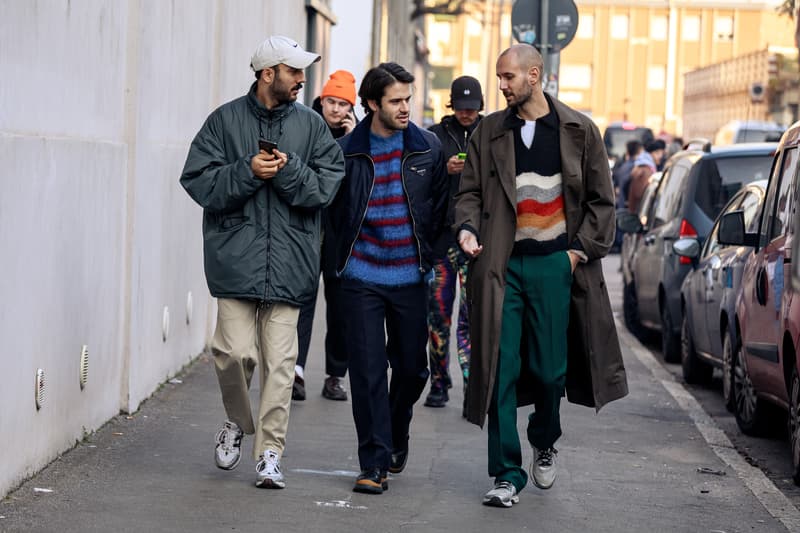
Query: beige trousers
{"x": 248, "y": 336}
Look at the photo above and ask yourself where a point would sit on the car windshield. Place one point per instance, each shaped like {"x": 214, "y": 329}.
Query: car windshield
{"x": 721, "y": 177}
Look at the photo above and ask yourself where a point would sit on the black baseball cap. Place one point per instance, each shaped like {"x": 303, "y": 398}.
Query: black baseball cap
{"x": 465, "y": 93}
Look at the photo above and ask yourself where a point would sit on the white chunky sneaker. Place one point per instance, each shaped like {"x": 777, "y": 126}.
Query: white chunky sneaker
{"x": 504, "y": 494}
{"x": 543, "y": 467}
{"x": 228, "y": 451}
{"x": 268, "y": 470}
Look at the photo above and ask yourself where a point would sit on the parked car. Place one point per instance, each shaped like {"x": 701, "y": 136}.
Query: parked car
{"x": 617, "y": 135}
{"x": 708, "y": 294}
{"x": 629, "y": 243}
{"x": 695, "y": 186}
{"x": 765, "y": 363}
{"x": 748, "y": 131}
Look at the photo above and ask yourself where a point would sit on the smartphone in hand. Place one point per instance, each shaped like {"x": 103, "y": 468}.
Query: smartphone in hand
{"x": 267, "y": 146}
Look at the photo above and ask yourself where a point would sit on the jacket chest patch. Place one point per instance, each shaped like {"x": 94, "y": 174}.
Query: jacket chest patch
{"x": 420, "y": 171}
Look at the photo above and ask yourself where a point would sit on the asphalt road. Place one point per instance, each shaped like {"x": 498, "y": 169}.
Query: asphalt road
{"x": 661, "y": 459}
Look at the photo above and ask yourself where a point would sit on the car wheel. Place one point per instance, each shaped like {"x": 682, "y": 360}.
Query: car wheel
{"x": 630, "y": 311}
{"x": 728, "y": 351}
{"x": 670, "y": 343}
{"x": 747, "y": 406}
{"x": 794, "y": 424}
{"x": 694, "y": 369}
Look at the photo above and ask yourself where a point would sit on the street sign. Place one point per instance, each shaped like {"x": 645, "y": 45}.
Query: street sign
{"x": 563, "y": 23}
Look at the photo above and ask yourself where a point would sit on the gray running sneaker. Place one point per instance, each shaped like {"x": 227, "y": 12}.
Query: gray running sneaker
{"x": 228, "y": 451}
{"x": 268, "y": 471}
{"x": 543, "y": 467}
{"x": 504, "y": 494}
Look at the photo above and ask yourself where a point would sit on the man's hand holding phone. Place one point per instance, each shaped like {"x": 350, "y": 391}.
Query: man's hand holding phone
{"x": 268, "y": 161}
{"x": 455, "y": 165}
{"x": 348, "y": 122}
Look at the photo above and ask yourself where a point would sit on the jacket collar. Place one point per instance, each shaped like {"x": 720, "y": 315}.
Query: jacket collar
{"x": 261, "y": 111}
{"x": 559, "y": 116}
{"x": 358, "y": 139}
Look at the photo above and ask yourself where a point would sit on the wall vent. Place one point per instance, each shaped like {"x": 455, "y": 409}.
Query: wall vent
{"x": 84, "y": 366}
{"x": 39, "y": 390}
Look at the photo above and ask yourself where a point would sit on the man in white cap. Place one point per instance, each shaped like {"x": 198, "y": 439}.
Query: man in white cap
{"x": 262, "y": 167}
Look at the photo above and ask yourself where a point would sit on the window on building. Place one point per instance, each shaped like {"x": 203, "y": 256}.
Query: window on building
{"x": 576, "y": 76}
{"x": 586, "y": 26}
{"x": 658, "y": 28}
{"x": 619, "y": 27}
{"x": 690, "y": 29}
{"x": 656, "y": 77}
{"x": 723, "y": 28}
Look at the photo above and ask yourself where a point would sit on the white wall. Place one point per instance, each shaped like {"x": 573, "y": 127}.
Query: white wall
{"x": 99, "y": 101}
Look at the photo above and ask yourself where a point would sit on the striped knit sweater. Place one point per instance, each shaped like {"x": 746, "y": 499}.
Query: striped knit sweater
{"x": 541, "y": 223}
{"x": 385, "y": 252}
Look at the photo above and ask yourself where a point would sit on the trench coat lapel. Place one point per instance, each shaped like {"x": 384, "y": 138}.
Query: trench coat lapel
{"x": 571, "y": 140}
{"x": 502, "y": 146}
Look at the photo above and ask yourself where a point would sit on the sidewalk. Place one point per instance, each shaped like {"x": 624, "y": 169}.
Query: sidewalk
{"x": 632, "y": 467}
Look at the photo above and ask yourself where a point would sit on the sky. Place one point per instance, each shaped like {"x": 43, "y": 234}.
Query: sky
{"x": 351, "y": 38}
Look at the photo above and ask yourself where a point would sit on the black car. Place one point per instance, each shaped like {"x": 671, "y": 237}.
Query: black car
{"x": 695, "y": 186}
{"x": 708, "y": 295}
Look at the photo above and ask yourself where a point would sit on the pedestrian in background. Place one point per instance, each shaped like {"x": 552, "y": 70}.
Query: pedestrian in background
{"x": 261, "y": 242}
{"x": 644, "y": 166}
{"x": 335, "y": 104}
{"x": 387, "y": 215}
{"x": 621, "y": 175}
{"x": 535, "y": 211}
{"x": 449, "y": 261}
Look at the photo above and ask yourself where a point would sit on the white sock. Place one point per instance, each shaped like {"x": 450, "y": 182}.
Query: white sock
{"x": 299, "y": 371}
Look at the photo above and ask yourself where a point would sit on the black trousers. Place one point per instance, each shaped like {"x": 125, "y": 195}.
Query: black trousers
{"x": 383, "y": 417}
{"x": 335, "y": 351}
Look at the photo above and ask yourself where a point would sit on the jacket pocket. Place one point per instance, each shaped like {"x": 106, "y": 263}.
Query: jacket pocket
{"x": 232, "y": 223}
{"x": 301, "y": 221}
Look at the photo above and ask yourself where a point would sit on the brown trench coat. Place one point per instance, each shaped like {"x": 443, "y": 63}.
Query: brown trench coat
{"x": 486, "y": 201}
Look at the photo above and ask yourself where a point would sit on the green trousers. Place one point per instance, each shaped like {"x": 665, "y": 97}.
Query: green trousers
{"x": 536, "y": 306}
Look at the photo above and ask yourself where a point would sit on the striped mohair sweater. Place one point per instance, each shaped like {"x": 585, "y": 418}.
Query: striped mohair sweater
{"x": 541, "y": 223}
{"x": 385, "y": 252}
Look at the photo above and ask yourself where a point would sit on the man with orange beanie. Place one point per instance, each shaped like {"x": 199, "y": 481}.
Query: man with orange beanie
{"x": 335, "y": 104}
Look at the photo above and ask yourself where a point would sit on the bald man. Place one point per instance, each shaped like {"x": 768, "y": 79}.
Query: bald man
{"x": 535, "y": 212}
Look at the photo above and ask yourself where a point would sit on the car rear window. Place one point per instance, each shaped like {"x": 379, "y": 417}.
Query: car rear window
{"x": 616, "y": 138}
{"x": 720, "y": 178}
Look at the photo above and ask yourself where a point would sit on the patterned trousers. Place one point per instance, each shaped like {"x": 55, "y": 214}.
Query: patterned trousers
{"x": 448, "y": 271}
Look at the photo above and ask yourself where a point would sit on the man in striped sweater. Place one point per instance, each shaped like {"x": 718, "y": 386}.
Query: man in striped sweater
{"x": 389, "y": 211}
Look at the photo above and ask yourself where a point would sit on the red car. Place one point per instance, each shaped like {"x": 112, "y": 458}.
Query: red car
{"x": 766, "y": 368}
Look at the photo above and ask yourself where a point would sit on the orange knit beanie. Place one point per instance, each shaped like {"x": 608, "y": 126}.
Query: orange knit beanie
{"x": 342, "y": 84}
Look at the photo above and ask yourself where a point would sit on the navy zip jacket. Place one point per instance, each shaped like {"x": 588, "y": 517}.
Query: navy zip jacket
{"x": 425, "y": 182}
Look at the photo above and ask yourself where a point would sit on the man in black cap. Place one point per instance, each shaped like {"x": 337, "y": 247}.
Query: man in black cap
{"x": 450, "y": 262}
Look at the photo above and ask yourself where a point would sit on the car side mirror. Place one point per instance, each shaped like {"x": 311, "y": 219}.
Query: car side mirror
{"x": 628, "y": 222}
{"x": 687, "y": 247}
{"x": 731, "y": 230}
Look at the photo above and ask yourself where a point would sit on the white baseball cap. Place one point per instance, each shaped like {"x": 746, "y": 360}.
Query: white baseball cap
{"x": 279, "y": 49}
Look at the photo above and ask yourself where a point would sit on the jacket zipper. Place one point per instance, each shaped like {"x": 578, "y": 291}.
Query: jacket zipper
{"x": 460, "y": 148}
{"x": 263, "y": 303}
{"x": 408, "y": 200}
{"x": 363, "y": 215}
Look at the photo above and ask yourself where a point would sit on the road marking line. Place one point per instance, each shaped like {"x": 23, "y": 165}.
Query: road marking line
{"x": 759, "y": 484}
{"x": 341, "y": 473}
